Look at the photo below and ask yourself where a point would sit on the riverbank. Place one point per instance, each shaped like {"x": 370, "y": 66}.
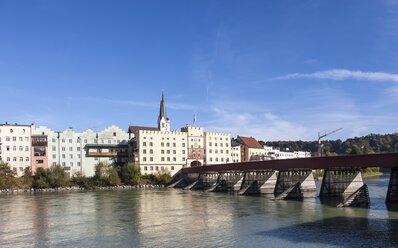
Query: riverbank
{"x": 82, "y": 189}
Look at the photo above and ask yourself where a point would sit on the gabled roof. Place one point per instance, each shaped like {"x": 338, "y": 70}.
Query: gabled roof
{"x": 133, "y": 129}
{"x": 250, "y": 142}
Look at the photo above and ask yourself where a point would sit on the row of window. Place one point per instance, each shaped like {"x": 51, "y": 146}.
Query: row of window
{"x": 218, "y": 144}
{"x": 162, "y": 144}
{"x": 156, "y": 168}
{"x": 216, "y": 151}
{"x": 163, "y": 159}
{"x": 14, "y": 138}
{"x": 162, "y": 151}
{"x": 78, "y": 140}
{"x": 15, "y": 159}
{"x": 14, "y": 148}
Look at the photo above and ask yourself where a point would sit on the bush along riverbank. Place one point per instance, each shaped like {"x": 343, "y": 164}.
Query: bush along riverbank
{"x": 54, "y": 179}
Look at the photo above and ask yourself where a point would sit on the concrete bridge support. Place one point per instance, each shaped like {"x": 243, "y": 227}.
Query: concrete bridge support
{"x": 344, "y": 187}
{"x": 204, "y": 181}
{"x": 258, "y": 182}
{"x": 228, "y": 181}
{"x": 392, "y": 193}
{"x": 295, "y": 184}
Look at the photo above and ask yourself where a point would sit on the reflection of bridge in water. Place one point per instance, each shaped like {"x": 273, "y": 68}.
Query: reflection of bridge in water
{"x": 293, "y": 178}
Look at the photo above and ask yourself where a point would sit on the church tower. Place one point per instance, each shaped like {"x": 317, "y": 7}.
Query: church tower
{"x": 163, "y": 121}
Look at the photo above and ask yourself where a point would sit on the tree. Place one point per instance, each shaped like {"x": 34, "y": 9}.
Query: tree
{"x": 106, "y": 175}
{"x": 40, "y": 179}
{"x": 113, "y": 178}
{"x": 163, "y": 177}
{"x": 7, "y": 176}
{"x": 57, "y": 177}
{"x": 131, "y": 174}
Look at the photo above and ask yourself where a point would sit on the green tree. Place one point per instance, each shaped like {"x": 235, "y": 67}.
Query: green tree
{"x": 40, "y": 179}
{"x": 7, "y": 177}
{"x": 163, "y": 177}
{"x": 131, "y": 174}
{"x": 113, "y": 178}
{"x": 57, "y": 177}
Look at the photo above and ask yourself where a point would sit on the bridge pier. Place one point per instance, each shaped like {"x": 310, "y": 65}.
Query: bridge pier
{"x": 204, "y": 181}
{"x": 392, "y": 192}
{"x": 258, "y": 182}
{"x": 345, "y": 187}
{"x": 295, "y": 184}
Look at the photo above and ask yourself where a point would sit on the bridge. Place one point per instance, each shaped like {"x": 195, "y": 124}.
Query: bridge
{"x": 342, "y": 183}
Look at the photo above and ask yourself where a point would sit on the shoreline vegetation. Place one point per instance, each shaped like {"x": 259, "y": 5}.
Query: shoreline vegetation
{"x": 55, "y": 179}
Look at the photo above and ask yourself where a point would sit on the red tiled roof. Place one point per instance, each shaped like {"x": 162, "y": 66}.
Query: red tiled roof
{"x": 250, "y": 142}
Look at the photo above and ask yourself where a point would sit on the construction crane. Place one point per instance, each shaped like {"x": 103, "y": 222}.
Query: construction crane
{"x": 321, "y": 136}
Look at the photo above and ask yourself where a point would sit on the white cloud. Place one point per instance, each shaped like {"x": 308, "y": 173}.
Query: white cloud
{"x": 342, "y": 74}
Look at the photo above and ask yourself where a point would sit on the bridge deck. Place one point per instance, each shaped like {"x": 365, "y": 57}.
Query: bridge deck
{"x": 385, "y": 160}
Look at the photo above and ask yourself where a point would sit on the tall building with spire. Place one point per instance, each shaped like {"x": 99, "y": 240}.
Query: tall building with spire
{"x": 156, "y": 149}
{"x": 163, "y": 121}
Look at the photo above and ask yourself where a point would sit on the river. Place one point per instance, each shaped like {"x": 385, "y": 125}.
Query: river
{"x": 178, "y": 218}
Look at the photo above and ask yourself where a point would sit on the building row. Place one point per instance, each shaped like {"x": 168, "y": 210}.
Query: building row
{"x": 153, "y": 149}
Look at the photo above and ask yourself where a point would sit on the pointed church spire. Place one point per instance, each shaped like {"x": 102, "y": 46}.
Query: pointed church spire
{"x": 162, "y": 112}
{"x": 163, "y": 121}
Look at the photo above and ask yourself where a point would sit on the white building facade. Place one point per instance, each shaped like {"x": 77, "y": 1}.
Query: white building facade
{"x": 159, "y": 149}
{"x": 15, "y": 146}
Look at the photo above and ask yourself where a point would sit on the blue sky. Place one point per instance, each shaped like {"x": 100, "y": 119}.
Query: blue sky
{"x": 275, "y": 70}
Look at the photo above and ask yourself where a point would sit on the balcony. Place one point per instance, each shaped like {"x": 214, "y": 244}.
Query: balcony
{"x": 39, "y": 143}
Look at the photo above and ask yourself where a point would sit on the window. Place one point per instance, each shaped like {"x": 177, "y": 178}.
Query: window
{"x": 63, "y": 140}
{"x": 85, "y": 141}
{"x": 70, "y": 155}
{"x": 144, "y": 159}
{"x": 157, "y": 168}
{"x": 109, "y": 141}
{"x": 151, "y": 151}
{"x": 114, "y": 134}
{"x": 183, "y": 151}
{"x": 14, "y": 138}
{"x": 78, "y": 149}
{"x": 167, "y": 144}
{"x": 20, "y": 168}
{"x": 8, "y": 148}
{"x": 162, "y": 151}
{"x": 210, "y": 151}
{"x": 151, "y": 159}
{"x": 14, "y": 148}
{"x": 14, "y": 159}
{"x": 183, "y": 144}
{"x": 222, "y": 159}
{"x": 174, "y": 159}
{"x": 78, "y": 164}
{"x": 71, "y": 164}
{"x": 144, "y": 151}
{"x": 70, "y": 149}
{"x": 145, "y": 168}
{"x": 183, "y": 159}
{"x": 20, "y": 148}
{"x": 63, "y": 148}
{"x": 168, "y": 159}
{"x": 27, "y": 139}
{"x": 7, "y": 138}
{"x": 54, "y": 148}
{"x": 174, "y": 144}
{"x": 174, "y": 151}
{"x": 209, "y": 143}
{"x": 162, "y": 159}
{"x": 39, "y": 161}
{"x": 63, "y": 155}
{"x": 143, "y": 143}
{"x": 211, "y": 159}
{"x": 172, "y": 167}
{"x": 150, "y": 143}
{"x": 54, "y": 156}
{"x": 53, "y": 139}
{"x": 20, "y": 138}
{"x": 216, "y": 159}
{"x": 168, "y": 151}
{"x": 54, "y": 163}
{"x": 8, "y": 159}
{"x": 27, "y": 159}
{"x": 20, "y": 159}
{"x": 78, "y": 155}
{"x": 26, "y": 148}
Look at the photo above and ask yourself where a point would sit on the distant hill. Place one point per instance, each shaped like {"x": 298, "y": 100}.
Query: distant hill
{"x": 372, "y": 143}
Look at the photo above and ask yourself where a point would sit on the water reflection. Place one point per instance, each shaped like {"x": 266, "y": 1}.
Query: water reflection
{"x": 178, "y": 218}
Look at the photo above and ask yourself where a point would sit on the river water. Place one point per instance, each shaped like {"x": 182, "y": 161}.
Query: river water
{"x": 178, "y": 218}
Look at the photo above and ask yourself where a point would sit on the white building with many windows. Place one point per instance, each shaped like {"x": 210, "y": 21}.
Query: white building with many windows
{"x": 157, "y": 149}
{"x": 70, "y": 149}
{"x": 15, "y": 146}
